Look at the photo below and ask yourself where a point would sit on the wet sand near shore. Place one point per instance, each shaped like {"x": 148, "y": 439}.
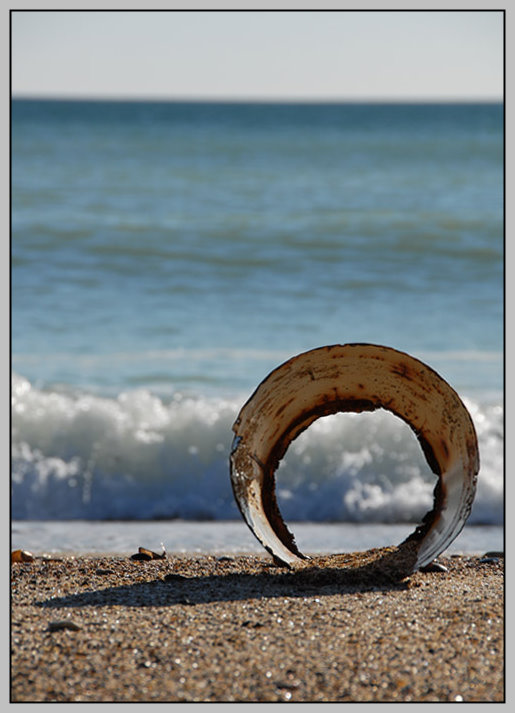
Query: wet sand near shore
{"x": 240, "y": 628}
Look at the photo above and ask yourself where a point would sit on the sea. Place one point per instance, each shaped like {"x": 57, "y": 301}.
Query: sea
{"x": 166, "y": 256}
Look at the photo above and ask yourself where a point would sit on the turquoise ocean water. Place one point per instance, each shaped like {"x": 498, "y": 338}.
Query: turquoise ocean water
{"x": 167, "y": 256}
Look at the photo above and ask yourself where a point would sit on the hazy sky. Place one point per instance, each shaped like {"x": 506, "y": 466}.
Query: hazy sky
{"x": 259, "y": 55}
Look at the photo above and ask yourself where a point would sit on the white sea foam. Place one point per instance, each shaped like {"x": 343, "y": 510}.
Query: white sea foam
{"x": 137, "y": 456}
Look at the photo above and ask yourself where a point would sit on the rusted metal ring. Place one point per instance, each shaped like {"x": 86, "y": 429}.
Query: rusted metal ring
{"x": 354, "y": 378}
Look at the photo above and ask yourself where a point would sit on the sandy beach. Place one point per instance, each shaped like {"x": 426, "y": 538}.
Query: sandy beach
{"x": 240, "y": 628}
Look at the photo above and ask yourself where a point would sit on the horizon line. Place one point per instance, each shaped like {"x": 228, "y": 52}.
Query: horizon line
{"x": 255, "y": 100}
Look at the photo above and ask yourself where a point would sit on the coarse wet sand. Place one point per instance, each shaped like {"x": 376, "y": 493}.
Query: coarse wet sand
{"x": 206, "y": 628}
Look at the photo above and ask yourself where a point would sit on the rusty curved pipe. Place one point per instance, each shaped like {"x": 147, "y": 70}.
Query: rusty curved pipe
{"x": 354, "y": 378}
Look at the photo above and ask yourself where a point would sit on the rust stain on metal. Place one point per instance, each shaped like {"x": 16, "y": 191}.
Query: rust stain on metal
{"x": 402, "y": 370}
{"x": 354, "y": 378}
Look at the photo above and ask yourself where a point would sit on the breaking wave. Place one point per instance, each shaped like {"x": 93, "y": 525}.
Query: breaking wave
{"x": 137, "y": 456}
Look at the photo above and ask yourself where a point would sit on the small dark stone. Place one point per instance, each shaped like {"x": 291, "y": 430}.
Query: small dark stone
{"x": 173, "y": 577}
{"x": 288, "y": 685}
{"x": 151, "y": 555}
{"x": 252, "y": 624}
{"x": 489, "y": 560}
{"x": 494, "y": 553}
{"x": 434, "y": 567}
{"x": 103, "y": 571}
{"x": 66, "y": 624}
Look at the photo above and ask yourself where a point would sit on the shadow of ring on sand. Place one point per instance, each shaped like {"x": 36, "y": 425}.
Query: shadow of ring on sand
{"x": 321, "y": 576}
